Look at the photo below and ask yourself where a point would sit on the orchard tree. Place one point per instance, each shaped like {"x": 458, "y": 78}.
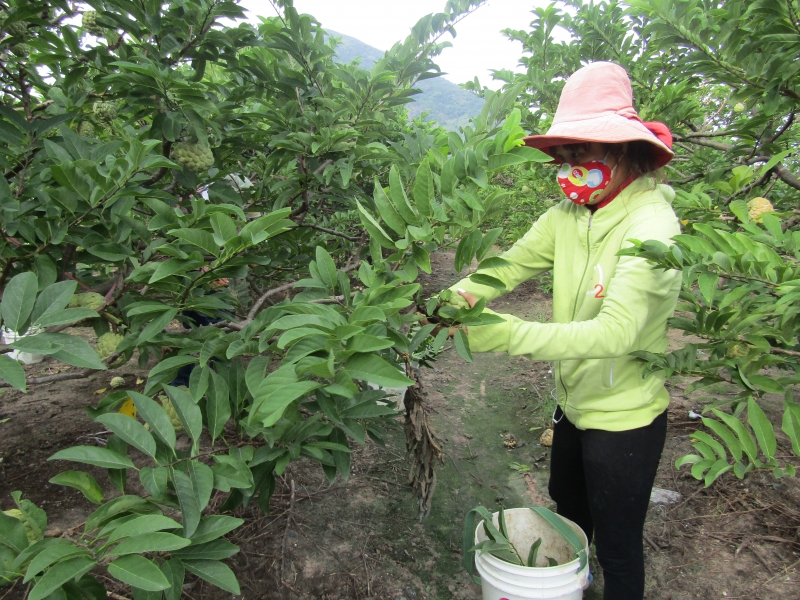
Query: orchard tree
{"x": 167, "y": 161}
{"x": 718, "y": 73}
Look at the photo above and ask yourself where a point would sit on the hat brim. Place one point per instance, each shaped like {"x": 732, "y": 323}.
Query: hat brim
{"x": 607, "y": 129}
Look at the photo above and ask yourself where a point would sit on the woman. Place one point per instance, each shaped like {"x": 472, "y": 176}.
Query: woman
{"x": 610, "y": 423}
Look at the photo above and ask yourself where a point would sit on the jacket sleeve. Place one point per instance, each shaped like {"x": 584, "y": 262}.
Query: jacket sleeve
{"x": 636, "y": 294}
{"x": 531, "y": 255}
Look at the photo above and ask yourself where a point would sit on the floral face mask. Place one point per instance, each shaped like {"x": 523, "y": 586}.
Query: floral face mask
{"x": 582, "y": 183}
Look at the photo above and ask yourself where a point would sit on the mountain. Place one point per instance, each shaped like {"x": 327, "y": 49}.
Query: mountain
{"x": 447, "y": 103}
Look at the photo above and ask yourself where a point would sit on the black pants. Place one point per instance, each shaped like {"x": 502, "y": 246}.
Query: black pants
{"x": 601, "y": 480}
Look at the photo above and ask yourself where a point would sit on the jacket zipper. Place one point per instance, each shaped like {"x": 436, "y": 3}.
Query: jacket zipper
{"x": 577, "y": 297}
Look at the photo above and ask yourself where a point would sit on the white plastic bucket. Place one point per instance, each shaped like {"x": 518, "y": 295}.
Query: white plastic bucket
{"x": 26, "y": 358}
{"x": 503, "y": 581}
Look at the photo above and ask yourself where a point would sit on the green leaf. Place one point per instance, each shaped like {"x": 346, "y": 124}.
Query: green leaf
{"x": 727, "y": 436}
{"x": 717, "y": 469}
{"x": 130, "y": 430}
{"x": 138, "y": 526}
{"x": 488, "y": 280}
{"x": 91, "y": 455}
{"x": 12, "y": 533}
{"x": 762, "y": 428}
{"x": 187, "y": 498}
{"x": 60, "y": 574}
{"x": 399, "y": 198}
{"x": 214, "y": 572}
{"x": 424, "y": 190}
{"x": 54, "y": 298}
{"x": 12, "y": 373}
{"x": 155, "y": 416}
{"x": 18, "y": 300}
{"x": 50, "y": 556}
{"x": 154, "y": 541}
{"x": 326, "y": 266}
{"x": 197, "y": 237}
{"x": 74, "y": 351}
{"x": 215, "y": 550}
{"x": 386, "y": 210}
{"x": 218, "y": 406}
{"x": 213, "y": 527}
{"x": 462, "y": 345}
{"x": 372, "y": 368}
{"x": 139, "y": 572}
{"x": 374, "y": 229}
{"x": 748, "y": 445}
{"x": 707, "y": 282}
{"x": 368, "y": 343}
{"x": 156, "y": 326}
{"x": 175, "y": 573}
{"x": 68, "y": 315}
{"x": 188, "y": 412}
{"x": 81, "y": 481}
{"x": 791, "y": 425}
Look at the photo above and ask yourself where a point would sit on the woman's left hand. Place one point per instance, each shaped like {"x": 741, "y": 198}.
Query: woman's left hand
{"x": 470, "y": 298}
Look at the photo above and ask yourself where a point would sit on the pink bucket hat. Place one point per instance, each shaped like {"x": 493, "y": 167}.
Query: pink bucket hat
{"x": 596, "y": 105}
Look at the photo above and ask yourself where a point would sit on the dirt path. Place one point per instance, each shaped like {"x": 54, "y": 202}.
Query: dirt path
{"x": 361, "y": 538}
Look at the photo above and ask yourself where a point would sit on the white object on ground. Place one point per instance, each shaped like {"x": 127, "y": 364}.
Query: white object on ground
{"x": 694, "y": 415}
{"x": 513, "y": 582}
{"x": 661, "y": 496}
{"x": 26, "y": 358}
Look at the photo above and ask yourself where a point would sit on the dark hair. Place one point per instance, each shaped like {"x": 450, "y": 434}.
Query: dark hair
{"x": 638, "y": 156}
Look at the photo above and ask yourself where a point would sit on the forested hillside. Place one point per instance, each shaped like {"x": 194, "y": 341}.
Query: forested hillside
{"x": 445, "y": 102}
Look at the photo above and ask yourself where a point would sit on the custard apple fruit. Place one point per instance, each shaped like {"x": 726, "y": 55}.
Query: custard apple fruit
{"x": 193, "y": 156}
{"x": 105, "y": 111}
{"x": 86, "y": 129}
{"x": 757, "y": 207}
{"x": 173, "y": 414}
{"x": 117, "y": 382}
{"x": 21, "y": 50}
{"x": 107, "y": 344}
{"x": 91, "y": 300}
{"x": 17, "y": 29}
{"x": 546, "y": 439}
{"x": 738, "y": 107}
{"x": 89, "y": 23}
{"x": 737, "y": 350}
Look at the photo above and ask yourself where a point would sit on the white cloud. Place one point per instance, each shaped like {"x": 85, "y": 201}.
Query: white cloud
{"x": 478, "y": 47}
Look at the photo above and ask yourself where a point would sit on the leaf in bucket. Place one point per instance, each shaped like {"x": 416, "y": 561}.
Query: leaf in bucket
{"x": 534, "y": 551}
{"x": 551, "y": 562}
{"x": 501, "y": 519}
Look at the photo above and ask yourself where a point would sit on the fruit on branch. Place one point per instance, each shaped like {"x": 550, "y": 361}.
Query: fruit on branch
{"x": 172, "y": 413}
{"x": 117, "y": 382}
{"x": 758, "y": 207}
{"x": 194, "y": 156}
{"x": 86, "y": 129}
{"x": 91, "y": 300}
{"x": 105, "y": 111}
{"x": 107, "y": 344}
{"x": 20, "y": 516}
{"x": 89, "y": 23}
{"x": 738, "y": 108}
{"x": 737, "y": 350}
{"x": 21, "y": 50}
{"x": 17, "y": 29}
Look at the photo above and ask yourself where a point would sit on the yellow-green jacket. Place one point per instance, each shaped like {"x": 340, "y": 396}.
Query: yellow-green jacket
{"x": 604, "y": 306}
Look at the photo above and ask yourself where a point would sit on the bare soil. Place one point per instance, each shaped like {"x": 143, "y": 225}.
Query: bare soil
{"x": 361, "y": 538}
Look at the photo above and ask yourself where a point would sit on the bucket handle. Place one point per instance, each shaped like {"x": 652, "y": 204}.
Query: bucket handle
{"x": 548, "y": 515}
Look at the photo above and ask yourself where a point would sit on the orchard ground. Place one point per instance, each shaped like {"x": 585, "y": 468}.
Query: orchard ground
{"x": 362, "y": 539}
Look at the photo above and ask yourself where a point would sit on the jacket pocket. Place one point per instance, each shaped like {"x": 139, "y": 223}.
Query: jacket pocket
{"x": 608, "y": 373}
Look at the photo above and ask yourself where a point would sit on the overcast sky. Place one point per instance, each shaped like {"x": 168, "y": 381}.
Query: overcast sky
{"x": 478, "y": 47}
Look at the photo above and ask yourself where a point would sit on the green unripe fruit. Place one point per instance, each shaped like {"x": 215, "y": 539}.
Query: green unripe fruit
{"x": 21, "y": 50}
{"x": 117, "y": 382}
{"x": 91, "y": 300}
{"x": 107, "y": 344}
{"x": 105, "y": 111}
{"x": 20, "y": 516}
{"x": 173, "y": 414}
{"x": 525, "y": 189}
{"x": 89, "y": 23}
{"x": 86, "y": 129}
{"x": 737, "y": 350}
{"x": 738, "y": 108}
{"x": 193, "y": 156}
